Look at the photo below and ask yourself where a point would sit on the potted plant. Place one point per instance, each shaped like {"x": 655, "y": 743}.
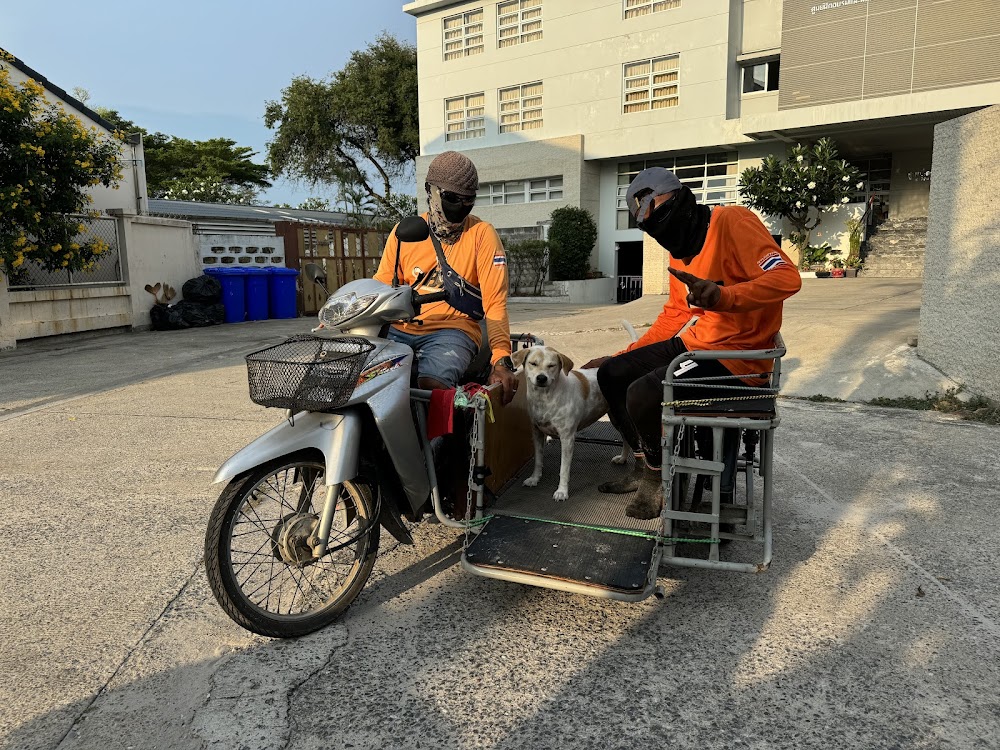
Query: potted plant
{"x": 837, "y": 270}
{"x": 853, "y": 267}
{"x": 814, "y": 259}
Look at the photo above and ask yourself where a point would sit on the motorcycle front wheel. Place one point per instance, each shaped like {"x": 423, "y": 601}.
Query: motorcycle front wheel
{"x": 258, "y": 557}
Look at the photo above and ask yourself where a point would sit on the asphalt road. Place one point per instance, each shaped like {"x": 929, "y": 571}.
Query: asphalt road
{"x": 878, "y": 625}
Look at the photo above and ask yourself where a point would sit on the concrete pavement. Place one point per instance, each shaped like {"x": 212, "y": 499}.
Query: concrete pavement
{"x": 878, "y": 625}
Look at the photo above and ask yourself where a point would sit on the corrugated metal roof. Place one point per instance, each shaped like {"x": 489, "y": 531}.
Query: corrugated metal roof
{"x": 194, "y": 210}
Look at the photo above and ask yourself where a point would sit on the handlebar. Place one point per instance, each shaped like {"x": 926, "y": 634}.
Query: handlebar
{"x": 423, "y": 299}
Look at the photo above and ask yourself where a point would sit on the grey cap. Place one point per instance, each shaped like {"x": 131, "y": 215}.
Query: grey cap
{"x": 658, "y": 180}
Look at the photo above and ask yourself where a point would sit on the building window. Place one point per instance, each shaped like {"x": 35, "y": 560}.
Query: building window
{"x": 519, "y": 21}
{"x": 712, "y": 177}
{"x": 465, "y": 117}
{"x": 651, "y": 84}
{"x": 463, "y": 34}
{"x": 635, "y": 8}
{"x": 760, "y": 77}
{"x": 521, "y": 107}
{"x": 520, "y": 191}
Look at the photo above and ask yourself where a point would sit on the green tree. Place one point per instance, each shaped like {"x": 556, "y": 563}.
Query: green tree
{"x": 48, "y": 160}
{"x": 212, "y": 171}
{"x": 363, "y": 211}
{"x": 357, "y": 130}
{"x": 571, "y": 240}
{"x": 811, "y": 180}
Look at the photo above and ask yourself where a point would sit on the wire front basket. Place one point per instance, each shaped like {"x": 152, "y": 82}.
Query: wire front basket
{"x": 307, "y": 373}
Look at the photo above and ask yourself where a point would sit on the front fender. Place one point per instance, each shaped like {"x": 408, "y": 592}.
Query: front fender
{"x": 336, "y": 436}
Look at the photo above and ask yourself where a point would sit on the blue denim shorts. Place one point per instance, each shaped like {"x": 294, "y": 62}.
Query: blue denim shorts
{"x": 443, "y": 355}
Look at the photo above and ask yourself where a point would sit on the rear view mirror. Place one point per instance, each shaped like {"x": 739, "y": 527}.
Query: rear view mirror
{"x": 412, "y": 229}
{"x": 316, "y": 274}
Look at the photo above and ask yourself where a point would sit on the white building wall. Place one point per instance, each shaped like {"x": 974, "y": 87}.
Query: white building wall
{"x": 579, "y": 59}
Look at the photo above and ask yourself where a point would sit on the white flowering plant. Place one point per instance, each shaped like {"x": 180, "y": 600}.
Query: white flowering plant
{"x": 209, "y": 188}
{"x": 811, "y": 180}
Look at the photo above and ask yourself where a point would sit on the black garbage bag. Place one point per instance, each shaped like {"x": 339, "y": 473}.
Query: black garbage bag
{"x": 166, "y": 318}
{"x": 204, "y": 289}
{"x": 186, "y": 314}
{"x": 198, "y": 315}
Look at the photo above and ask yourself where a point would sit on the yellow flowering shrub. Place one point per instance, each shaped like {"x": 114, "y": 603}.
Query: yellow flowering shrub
{"x": 48, "y": 158}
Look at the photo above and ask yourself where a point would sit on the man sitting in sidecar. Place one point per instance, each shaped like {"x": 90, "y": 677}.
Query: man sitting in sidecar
{"x": 728, "y": 278}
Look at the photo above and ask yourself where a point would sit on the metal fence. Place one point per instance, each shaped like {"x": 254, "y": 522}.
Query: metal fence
{"x": 108, "y": 269}
{"x": 629, "y": 289}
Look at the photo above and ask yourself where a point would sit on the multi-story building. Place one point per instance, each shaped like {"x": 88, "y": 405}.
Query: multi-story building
{"x": 562, "y": 102}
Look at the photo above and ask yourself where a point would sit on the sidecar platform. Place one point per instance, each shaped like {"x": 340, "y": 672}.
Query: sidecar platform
{"x": 584, "y": 544}
{"x": 530, "y": 537}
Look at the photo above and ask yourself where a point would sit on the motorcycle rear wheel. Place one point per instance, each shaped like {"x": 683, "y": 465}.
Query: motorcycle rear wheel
{"x": 257, "y": 558}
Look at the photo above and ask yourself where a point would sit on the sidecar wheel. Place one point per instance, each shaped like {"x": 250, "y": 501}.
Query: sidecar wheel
{"x": 257, "y": 555}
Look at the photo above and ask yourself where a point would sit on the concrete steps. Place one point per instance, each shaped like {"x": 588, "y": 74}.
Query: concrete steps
{"x": 896, "y": 250}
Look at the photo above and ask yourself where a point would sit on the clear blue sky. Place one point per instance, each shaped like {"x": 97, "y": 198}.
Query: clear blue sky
{"x": 196, "y": 69}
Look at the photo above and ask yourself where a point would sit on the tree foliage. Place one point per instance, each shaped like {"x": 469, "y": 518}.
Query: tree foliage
{"x": 48, "y": 160}
{"x": 212, "y": 171}
{"x": 571, "y": 240}
{"x": 812, "y": 179}
{"x": 357, "y": 130}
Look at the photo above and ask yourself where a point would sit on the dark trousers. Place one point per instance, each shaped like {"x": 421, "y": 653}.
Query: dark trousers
{"x": 632, "y": 384}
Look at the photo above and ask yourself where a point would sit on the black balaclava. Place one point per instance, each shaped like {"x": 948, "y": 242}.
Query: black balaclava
{"x": 679, "y": 225}
{"x": 447, "y": 219}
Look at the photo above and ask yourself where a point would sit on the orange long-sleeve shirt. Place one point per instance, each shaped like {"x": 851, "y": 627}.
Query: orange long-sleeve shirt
{"x": 478, "y": 257}
{"x": 755, "y": 276}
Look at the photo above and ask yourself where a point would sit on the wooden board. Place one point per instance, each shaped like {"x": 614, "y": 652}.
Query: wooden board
{"x": 508, "y": 440}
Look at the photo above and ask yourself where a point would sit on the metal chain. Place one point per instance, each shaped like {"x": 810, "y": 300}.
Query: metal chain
{"x": 668, "y": 492}
{"x": 709, "y": 401}
{"x": 473, "y": 443}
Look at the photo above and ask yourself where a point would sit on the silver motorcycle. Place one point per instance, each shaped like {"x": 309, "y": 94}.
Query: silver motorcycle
{"x": 293, "y": 537}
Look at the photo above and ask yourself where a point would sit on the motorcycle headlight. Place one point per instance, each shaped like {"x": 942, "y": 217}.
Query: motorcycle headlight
{"x": 339, "y": 310}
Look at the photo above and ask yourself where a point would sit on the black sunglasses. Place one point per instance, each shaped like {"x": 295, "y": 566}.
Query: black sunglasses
{"x": 465, "y": 200}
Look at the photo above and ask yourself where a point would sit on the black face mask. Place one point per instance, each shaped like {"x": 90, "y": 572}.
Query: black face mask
{"x": 679, "y": 225}
{"x": 454, "y": 211}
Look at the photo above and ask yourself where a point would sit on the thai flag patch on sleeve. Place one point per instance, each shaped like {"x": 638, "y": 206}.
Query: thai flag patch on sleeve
{"x": 499, "y": 260}
{"x": 771, "y": 260}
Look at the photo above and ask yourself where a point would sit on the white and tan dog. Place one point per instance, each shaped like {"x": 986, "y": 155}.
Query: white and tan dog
{"x": 561, "y": 401}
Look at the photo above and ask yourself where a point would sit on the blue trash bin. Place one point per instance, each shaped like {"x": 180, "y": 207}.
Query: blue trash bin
{"x": 282, "y": 293}
{"x": 256, "y": 293}
{"x": 233, "y": 281}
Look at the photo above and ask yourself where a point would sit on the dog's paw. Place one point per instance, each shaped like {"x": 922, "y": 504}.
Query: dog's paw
{"x": 560, "y": 495}
{"x": 619, "y": 459}
{"x": 531, "y": 481}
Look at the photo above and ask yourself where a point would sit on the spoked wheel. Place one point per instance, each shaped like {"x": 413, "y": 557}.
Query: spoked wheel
{"x": 258, "y": 554}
